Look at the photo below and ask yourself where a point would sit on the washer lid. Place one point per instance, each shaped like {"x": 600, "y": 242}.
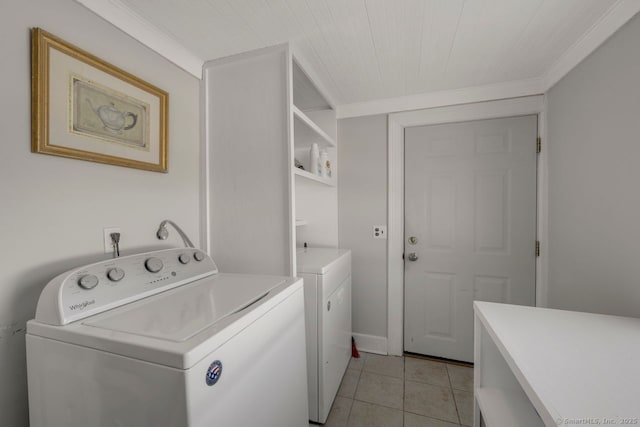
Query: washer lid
{"x": 178, "y": 327}
{"x": 180, "y": 316}
{"x": 318, "y": 260}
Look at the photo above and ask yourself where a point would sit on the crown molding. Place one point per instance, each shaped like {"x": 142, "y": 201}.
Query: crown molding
{"x": 123, "y": 17}
{"x": 617, "y": 15}
{"x": 513, "y": 89}
{"x": 129, "y": 21}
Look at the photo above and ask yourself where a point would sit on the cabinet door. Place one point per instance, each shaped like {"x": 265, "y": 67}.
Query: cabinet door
{"x": 249, "y": 190}
{"x": 336, "y": 334}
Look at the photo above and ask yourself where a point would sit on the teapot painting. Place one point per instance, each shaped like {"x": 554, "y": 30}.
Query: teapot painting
{"x": 113, "y": 119}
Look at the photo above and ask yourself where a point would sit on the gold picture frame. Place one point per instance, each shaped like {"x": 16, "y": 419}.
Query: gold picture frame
{"x": 85, "y": 108}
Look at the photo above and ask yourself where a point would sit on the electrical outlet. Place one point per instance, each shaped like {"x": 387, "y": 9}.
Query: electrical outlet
{"x": 379, "y": 231}
{"x": 108, "y": 244}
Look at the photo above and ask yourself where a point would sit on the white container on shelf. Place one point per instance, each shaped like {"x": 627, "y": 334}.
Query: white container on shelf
{"x": 324, "y": 166}
{"x": 314, "y": 159}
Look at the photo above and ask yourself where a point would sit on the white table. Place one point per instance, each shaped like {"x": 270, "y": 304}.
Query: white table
{"x": 537, "y": 366}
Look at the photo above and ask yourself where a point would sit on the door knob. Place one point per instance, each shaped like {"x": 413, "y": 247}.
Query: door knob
{"x": 413, "y": 256}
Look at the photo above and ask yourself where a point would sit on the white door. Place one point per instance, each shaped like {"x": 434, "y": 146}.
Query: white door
{"x": 470, "y": 227}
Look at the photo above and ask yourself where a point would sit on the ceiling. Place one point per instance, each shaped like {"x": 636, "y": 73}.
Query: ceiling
{"x": 363, "y": 50}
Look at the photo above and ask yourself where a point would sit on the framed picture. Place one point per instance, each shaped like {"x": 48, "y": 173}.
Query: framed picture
{"x": 85, "y": 108}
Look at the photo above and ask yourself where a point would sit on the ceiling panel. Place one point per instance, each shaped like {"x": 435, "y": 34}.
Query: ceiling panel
{"x": 440, "y": 26}
{"x": 357, "y": 53}
{"x": 550, "y": 33}
{"x": 485, "y": 31}
{"x": 327, "y": 43}
{"x": 364, "y": 50}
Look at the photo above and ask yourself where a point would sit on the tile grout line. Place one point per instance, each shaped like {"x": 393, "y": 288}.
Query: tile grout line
{"x": 380, "y": 405}
{"x": 453, "y": 396}
{"x": 350, "y": 409}
{"x": 417, "y": 381}
{"x": 404, "y": 382}
{"x": 434, "y": 385}
{"x": 384, "y": 375}
{"x": 356, "y": 390}
{"x": 431, "y": 417}
{"x": 422, "y": 381}
{"x": 362, "y": 371}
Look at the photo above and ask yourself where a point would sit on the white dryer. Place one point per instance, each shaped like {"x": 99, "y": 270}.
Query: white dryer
{"x": 163, "y": 339}
{"x": 327, "y": 295}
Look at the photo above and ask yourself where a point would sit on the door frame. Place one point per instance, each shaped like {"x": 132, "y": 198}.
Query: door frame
{"x": 397, "y": 122}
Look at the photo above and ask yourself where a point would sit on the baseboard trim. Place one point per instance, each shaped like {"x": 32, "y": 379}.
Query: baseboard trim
{"x": 371, "y": 343}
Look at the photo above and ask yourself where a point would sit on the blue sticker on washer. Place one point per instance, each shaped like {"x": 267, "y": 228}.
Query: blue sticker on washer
{"x": 214, "y": 372}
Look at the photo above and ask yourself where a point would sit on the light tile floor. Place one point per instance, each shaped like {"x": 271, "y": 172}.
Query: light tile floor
{"x": 390, "y": 391}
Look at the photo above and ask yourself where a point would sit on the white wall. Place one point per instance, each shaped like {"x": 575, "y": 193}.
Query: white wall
{"x": 318, "y": 205}
{"x": 362, "y": 203}
{"x": 53, "y": 209}
{"x": 594, "y": 200}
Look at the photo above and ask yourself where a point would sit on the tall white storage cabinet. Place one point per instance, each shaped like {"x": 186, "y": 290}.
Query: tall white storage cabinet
{"x": 261, "y": 111}
{"x": 327, "y": 296}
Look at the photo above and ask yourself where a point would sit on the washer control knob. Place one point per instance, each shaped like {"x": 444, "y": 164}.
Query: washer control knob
{"x": 153, "y": 264}
{"x": 184, "y": 259}
{"x": 88, "y": 281}
{"x": 115, "y": 274}
{"x": 198, "y": 256}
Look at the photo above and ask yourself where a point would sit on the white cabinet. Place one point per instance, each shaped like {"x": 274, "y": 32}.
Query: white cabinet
{"x": 248, "y": 218}
{"x": 261, "y": 111}
{"x": 543, "y": 367}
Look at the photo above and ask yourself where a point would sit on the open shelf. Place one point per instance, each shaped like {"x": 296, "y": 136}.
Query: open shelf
{"x": 312, "y": 177}
{"x": 307, "y": 132}
{"x": 306, "y": 95}
{"x": 506, "y": 408}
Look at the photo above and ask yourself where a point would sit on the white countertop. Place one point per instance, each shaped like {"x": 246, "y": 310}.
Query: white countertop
{"x": 576, "y": 368}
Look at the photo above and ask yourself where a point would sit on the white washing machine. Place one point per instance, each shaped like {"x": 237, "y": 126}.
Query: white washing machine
{"x": 327, "y": 296}
{"x": 163, "y": 339}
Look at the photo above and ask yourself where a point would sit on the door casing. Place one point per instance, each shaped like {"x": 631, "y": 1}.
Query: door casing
{"x": 397, "y": 122}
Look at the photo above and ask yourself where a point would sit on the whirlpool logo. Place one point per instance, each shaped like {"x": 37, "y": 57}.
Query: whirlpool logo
{"x": 82, "y": 305}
